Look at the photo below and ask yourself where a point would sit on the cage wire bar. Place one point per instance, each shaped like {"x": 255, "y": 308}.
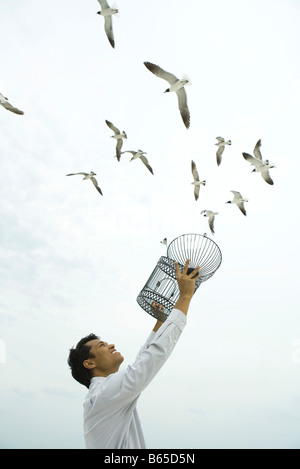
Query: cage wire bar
{"x": 162, "y": 287}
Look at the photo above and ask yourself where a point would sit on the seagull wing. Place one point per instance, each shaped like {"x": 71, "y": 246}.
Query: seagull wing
{"x": 195, "y": 172}
{"x": 183, "y": 107}
{"x": 220, "y": 140}
{"x": 257, "y": 163}
{"x": 145, "y": 161}
{"x": 237, "y": 195}
{"x": 159, "y": 72}
{"x": 74, "y": 174}
{"x": 112, "y": 127}
{"x": 11, "y": 108}
{"x": 196, "y": 192}
{"x": 219, "y": 154}
{"x": 256, "y": 150}
{"x": 266, "y": 176}
{"x": 104, "y": 5}
{"x": 118, "y": 148}
{"x": 96, "y": 185}
{"x": 241, "y": 207}
{"x": 109, "y": 30}
{"x": 211, "y": 220}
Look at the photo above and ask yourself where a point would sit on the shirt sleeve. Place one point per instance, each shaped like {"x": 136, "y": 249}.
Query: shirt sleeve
{"x": 129, "y": 383}
{"x": 146, "y": 344}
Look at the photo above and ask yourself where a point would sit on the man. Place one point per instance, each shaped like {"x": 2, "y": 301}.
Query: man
{"x": 110, "y": 415}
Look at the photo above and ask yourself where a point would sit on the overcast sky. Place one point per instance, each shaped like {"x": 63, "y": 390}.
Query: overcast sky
{"x": 73, "y": 262}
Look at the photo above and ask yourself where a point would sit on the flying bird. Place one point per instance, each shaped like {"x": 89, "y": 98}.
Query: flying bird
{"x": 260, "y": 166}
{"x": 239, "y": 201}
{"x": 221, "y": 144}
{"x": 107, "y": 12}
{"x": 141, "y": 155}
{"x": 118, "y": 136}
{"x": 197, "y": 181}
{"x": 211, "y": 218}
{"x": 91, "y": 177}
{"x": 4, "y": 102}
{"x": 177, "y": 86}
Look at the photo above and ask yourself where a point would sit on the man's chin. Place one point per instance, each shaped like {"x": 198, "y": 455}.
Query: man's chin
{"x": 119, "y": 356}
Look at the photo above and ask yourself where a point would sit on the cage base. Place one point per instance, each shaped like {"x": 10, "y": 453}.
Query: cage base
{"x": 147, "y": 297}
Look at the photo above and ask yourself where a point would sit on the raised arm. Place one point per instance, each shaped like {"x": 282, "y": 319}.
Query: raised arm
{"x": 131, "y": 382}
{"x": 186, "y": 284}
{"x": 158, "y": 322}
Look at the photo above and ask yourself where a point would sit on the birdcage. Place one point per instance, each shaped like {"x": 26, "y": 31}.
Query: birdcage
{"x": 162, "y": 289}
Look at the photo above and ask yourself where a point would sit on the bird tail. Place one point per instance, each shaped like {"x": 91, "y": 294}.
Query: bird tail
{"x": 114, "y": 6}
{"x": 185, "y": 77}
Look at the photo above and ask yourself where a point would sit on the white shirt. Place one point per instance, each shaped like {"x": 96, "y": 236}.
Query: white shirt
{"x": 110, "y": 415}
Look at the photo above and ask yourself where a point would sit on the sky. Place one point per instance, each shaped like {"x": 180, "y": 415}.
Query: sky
{"x": 73, "y": 262}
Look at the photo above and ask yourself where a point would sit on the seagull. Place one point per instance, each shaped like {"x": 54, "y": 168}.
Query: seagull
{"x": 164, "y": 241}
{"x": 4, "y": 102}
{"x": 118, "y": 136}
{"x": 177, "y": 86}
{"x": 91, "y": 177}
{"x": 260, "y": 166}
{"x": 107, "y": 12}
{"x": 239, "y": 201}
{"x": 221, "y": 144}
{"x": 197, "y": 181}
{"x": 211, "y": 218}
{"x": 139, "y": 154}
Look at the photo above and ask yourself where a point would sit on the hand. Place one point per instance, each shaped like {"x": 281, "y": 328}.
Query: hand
{"x": 156, "y": 307}
{"x": 186, "y": 282}
{"x": 158, "y": 313}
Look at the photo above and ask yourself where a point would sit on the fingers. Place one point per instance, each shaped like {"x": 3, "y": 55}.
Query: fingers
{"x": 178, "y": 272}
{"x": 157, "y": 306}
{"x": 194, "y": 272}
{"x": 185, "y": 270}
{"x": 186, "y": 266}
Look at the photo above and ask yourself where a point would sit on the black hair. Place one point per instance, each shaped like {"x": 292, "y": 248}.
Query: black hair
{"x": 76, "y": 358}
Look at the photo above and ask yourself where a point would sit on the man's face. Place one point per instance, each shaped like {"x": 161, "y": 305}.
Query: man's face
{"x": 106, "y": 358}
